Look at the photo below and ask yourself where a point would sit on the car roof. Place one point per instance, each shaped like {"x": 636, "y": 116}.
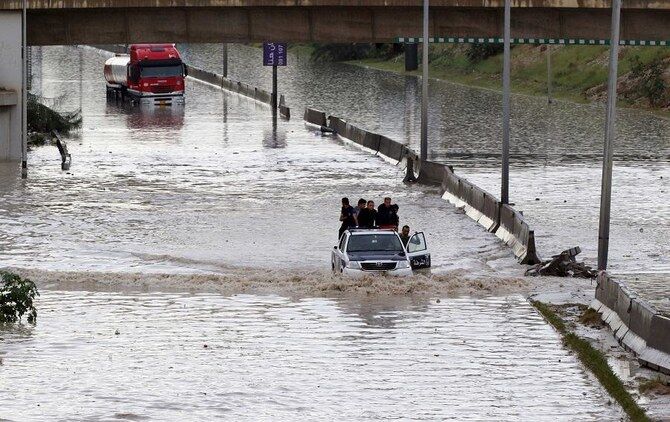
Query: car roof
{"x": 356, "y": 232}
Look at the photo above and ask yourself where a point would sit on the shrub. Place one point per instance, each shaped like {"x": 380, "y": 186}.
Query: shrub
{"x": 347, "y": 52}
{"x": 479, "y": 52}
{"x": 651, "y": 85}
{"x": 43, "y": 119}
{"x": 16, "y": 298}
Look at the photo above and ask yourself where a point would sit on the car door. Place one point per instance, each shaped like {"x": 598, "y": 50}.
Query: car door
{"x": 417, "y": 251}
{"x": 338, "y": 254}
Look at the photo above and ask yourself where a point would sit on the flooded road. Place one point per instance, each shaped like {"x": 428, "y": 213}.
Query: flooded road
{"x": 164, "y": 356}
{"x": 556, "y": 150}
{"x": 204, "y": 188}
{"x": 191, "y": 206}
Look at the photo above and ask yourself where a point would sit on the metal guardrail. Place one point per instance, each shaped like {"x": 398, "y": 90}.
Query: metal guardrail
{"x": 532, "y": 41}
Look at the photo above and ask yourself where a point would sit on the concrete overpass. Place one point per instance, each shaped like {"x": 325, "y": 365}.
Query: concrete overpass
{"x": 126, "y": 21}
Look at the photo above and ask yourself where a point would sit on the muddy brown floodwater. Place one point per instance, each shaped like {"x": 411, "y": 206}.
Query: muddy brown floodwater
{"x": 100, "y": 356}
{"x": 167, "y": 215}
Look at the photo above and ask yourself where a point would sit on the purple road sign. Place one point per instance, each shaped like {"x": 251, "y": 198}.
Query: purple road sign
{"x": 274, "y": 54}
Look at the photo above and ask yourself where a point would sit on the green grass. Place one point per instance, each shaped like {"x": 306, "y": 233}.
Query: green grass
{"x": 595, "y": 361}
{"x": 591, "y": 318}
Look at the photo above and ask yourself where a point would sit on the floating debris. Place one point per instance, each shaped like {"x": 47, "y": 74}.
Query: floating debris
{"x": 563, "y": 265}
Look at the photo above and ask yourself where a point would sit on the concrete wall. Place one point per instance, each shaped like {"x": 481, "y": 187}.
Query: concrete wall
{"x": 481, "y": 206}
{"x": 10, "y": 79}
{"x": 637, "y": 325}
{"x": 347, "y": 21}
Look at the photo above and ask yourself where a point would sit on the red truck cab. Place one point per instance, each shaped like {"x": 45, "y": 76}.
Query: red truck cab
{"x": 149, "y": 74}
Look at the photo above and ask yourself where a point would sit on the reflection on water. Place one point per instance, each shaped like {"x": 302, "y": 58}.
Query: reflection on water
{"x": 161, "y": 356}
{"x": 464, "y": 123}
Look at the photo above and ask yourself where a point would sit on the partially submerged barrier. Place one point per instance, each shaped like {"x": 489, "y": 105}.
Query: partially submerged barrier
{"x": 241, "y": 88}
{"x": 507, "y": 223}
{"x": 639, "y": 327}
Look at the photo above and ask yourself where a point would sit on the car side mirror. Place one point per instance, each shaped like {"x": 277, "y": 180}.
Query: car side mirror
{"x": 335, "y": 247}
{"x": 185, "y": 70}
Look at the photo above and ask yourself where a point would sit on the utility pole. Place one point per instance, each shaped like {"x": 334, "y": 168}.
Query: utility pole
{"x": 24, "y": 95}
{"x": 504, "y": 186}
{"x": 610, "y": 133}
{"x": 424, "y": 92}
{"x": 225, "y": 60}
{"x": 549, "y": 100}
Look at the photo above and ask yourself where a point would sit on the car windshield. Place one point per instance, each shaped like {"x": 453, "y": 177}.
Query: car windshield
{"x": 374, "y": 243}
{"x": 161, "y": 71}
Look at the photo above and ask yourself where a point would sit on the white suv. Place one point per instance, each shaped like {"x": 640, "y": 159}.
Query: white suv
{"x": 377, "y": 251}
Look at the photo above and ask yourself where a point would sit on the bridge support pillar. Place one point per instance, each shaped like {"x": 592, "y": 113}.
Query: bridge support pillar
{"x": 411, "y": 57}
{"x": 11, "y": 84}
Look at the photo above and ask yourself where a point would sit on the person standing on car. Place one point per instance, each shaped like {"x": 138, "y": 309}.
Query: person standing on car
{"x": 347, "y": 216}
{"x": 404, "y": 235}
{"x": 361, "y": 206}
{"x": 367, "y": 217}
{"x": 387, "y": 215}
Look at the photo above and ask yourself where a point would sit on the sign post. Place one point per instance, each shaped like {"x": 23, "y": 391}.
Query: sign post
{"x": 274, "y": 54}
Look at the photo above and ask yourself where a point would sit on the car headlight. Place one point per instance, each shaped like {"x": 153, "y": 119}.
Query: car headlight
{"x": 401, "y": 265}
{"x": 353, "y": 265}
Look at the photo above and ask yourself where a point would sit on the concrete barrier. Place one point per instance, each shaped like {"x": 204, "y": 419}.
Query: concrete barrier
{"x": 659, "y": 333}
{"x": 371, "y": 140}
{"x": 315, "y": 117}
{"x": 374, "y": 141}
{"x": 636, "y": 324}
{"x": 237, "y": 87}
{"x": 514, "y": 231}
{"x": 431, "y": 173}
{"x": 392, "y": 149}
{"x": 336, "y": 124}
{"x": 641, "y": 315}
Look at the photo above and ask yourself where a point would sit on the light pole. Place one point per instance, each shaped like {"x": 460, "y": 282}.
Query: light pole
{"x": 225, "y": 60}
{"x": 549, "y": 100}
{"x": 608, "y": 153}
{"x": 504, "y": 186}
{"x": 424, "y": 91}
{"x": 24, "y": 95}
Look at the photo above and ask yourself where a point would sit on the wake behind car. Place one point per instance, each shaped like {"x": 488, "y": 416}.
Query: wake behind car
{"x": 377, "y": 251}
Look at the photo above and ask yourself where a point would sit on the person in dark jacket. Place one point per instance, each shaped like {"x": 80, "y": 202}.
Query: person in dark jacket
{"x": 404, "y": 235}
{"x": 387, "y": 215}
{"x": 347, "y": 216}
{"x": 367, "y": 217}
{"x": 362, "y": 203}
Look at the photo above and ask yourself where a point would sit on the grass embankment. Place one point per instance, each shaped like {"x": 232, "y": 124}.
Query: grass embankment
{"x": 595, "y": 361}
{"x": 579, "y": 73}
